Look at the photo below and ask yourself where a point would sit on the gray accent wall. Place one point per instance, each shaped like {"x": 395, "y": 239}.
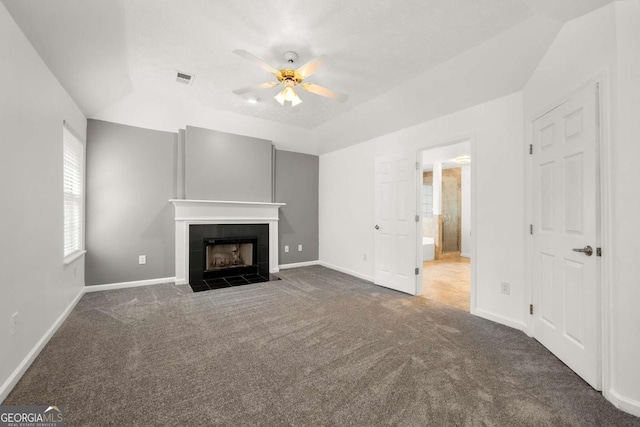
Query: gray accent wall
{"x": 131, "y": 175}
{"x": 180, "y": 165}
{"x": 224, "y": 166}
{"x": 296, "y": 182}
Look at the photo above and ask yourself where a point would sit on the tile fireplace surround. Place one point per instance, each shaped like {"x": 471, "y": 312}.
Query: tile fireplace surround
{"x": 188, "y": 212}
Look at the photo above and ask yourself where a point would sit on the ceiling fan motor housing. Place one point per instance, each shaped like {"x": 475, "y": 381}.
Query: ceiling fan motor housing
{"x": 290, "y": 57}
{"x": 289, "y": 75}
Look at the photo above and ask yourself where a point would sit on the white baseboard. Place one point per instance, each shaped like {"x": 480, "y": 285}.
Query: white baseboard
{"x": 623, "y": 403}
{"x": 299, "y": 264}
{"x": 463, "y": 255}
{"x": 346, "y": 271}
{"x": 15, "y": 376}
{"x": 111, "y": 286}
{"x": 500, "y": 319}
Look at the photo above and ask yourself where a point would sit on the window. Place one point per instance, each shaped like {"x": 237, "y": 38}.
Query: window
{"x": 73, "y": 184}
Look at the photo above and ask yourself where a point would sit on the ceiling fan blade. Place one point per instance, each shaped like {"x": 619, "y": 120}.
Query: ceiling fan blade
{"x": 313, "y": 66}
{"x": 259, "y": 62}
{"x": 256, "y": 87}
{"x": 323, "y": 91}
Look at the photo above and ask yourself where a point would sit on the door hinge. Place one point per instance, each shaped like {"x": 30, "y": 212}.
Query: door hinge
{"x": 417, "y": 165}
{"x": 417, "y": 271}
{"x": 530, "y": 308}
{"x": 530, "y": 148}
{"x": 598, "y": 251}
{"x": 530, "y": 228}
{"x": 417, "y": 218}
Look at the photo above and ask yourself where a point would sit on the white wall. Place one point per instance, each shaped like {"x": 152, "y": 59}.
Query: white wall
{"x": 626, "y": 209}
{"x": 465, "y": 244}
{"x": 607, "y": 39}
{"x": 34, "y": 281}
{"x": 347, "y": 199}
{"x": 346, "y": 216}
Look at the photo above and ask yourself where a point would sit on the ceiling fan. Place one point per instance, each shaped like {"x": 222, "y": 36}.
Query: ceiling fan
{"x": 290, "y": 78}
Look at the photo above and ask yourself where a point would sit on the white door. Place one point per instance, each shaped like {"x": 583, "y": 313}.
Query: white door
{"x": 565, "y": 219}
{"x": 396, "y": 226}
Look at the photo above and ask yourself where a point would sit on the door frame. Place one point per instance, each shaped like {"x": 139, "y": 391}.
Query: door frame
{"x": 604, "y": 217}
{"x": 471, "y": 137}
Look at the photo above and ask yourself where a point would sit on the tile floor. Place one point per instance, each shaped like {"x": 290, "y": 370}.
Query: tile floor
{"x": 448, "y": 282}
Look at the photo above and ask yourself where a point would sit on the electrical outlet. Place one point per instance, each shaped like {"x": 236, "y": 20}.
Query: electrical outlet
{"x": 505, "y": 288}
{"x": 14, "y": 323}
{"x": 142, "y": 259}
{"x": 299, "y": 248}
{"x": 286, "y": 248}
{"x": 364, "y": 257}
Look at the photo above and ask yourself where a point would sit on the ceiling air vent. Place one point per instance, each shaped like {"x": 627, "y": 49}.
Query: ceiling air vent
{"x": 184, "y": 78}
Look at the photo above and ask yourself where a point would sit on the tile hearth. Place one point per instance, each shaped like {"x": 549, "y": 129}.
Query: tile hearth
{"x": 227, "y": 282}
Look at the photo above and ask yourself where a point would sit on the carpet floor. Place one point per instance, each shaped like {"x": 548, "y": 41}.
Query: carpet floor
{"x": 315, "y": 348}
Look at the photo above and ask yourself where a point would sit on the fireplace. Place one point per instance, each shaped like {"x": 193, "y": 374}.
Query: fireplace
{"x": 225, "y": 255}
{"x": 230, "y": 256}
{"x": 197, "y": 220}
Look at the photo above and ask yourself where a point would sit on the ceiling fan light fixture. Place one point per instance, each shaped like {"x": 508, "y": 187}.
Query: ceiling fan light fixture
{"x": 296, "y": 99}
{"x": 289, "y": 78}
{"x": 288, "y": 94}
{"x": 280, "y": 98}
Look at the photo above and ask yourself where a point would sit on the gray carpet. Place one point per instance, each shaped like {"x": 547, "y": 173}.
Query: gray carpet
{"x": 316, "y": 348}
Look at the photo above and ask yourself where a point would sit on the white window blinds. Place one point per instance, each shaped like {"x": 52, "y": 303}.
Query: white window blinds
{"x": 73, "y": 173}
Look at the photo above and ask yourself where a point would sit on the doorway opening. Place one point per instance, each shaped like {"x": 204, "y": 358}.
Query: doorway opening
{"x": 445, "y": 205}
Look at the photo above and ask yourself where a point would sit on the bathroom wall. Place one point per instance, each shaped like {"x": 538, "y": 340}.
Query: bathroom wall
{"x": 458, "y": 198}
{"x": 429, "y": 224}
{"x": 465, "y": 209}
{"x": 451, "y": 210}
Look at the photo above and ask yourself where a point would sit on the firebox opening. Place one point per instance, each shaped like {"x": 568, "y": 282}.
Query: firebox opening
{"x": 229, "y": 255}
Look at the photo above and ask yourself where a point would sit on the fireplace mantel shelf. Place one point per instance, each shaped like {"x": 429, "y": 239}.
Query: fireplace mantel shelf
{"x": 183, "y": 202}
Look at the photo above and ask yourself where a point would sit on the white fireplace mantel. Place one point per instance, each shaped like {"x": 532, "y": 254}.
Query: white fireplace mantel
{"x": 189, "y": 212}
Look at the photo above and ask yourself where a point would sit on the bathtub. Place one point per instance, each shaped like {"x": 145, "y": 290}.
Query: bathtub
{"x": 428, "y": 248}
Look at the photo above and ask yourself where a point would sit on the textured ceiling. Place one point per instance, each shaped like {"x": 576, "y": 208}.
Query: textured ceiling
{"x": 118, "y": 58}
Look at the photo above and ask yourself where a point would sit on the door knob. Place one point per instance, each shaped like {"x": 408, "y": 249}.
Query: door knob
{"x": 377, "y": 227}
{"x": 587, "y": 250}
